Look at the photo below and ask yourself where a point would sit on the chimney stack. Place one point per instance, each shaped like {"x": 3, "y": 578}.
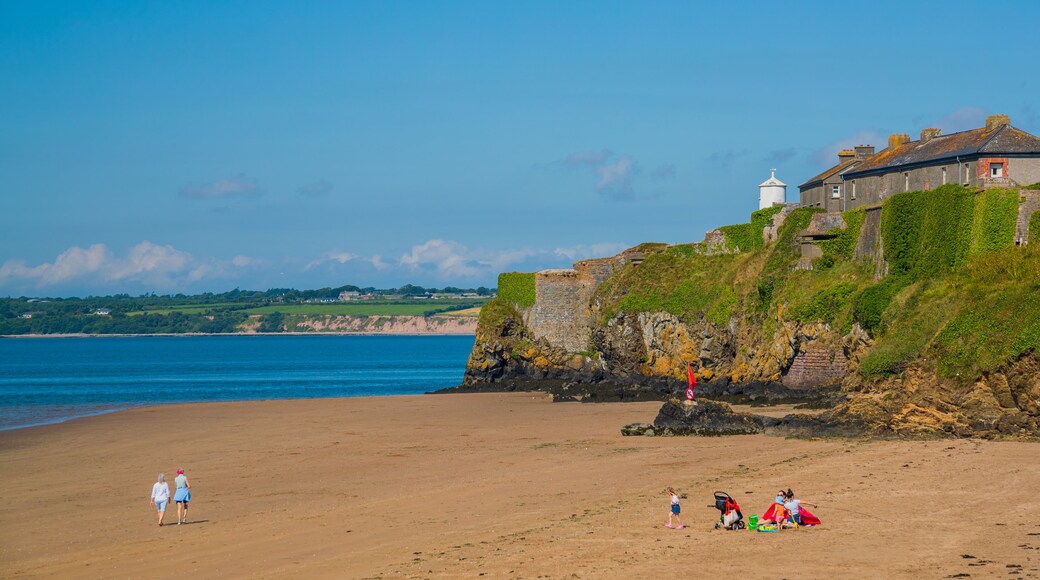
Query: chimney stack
{"x": 929, "y": 134}
{"x": 897, "y": 139}
{"x": 996, "y": 121}
{"x": 863, "y": 151}
{"x": 845, "y": 155}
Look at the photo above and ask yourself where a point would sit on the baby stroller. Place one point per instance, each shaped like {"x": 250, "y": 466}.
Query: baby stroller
{"x": 730, "y": 518}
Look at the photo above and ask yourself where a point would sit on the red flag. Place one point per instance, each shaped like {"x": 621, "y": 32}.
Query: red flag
{"x": 692, "y": 380}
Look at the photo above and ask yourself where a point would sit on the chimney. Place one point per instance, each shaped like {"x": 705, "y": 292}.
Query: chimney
{"x": 929, "y": 134}
{"x": 863, "y": 151}
{"x": 897, "y": 139}
{"x": 845, "y": 155}
{"x": 996, "y": 121}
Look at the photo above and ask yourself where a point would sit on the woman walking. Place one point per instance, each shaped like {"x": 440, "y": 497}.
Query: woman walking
{"x": 182, "y": 496}
{"x": 160, "y": 496}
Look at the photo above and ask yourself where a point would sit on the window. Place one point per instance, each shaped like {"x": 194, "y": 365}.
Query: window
{"x": 906, "y": 181}
{"x": 996, "y": 170}
{"x": 967, "y": 174}
{"x": 835, "y": 191}
{"x": 944, "y": 176}
{"x": 853, "y": 189}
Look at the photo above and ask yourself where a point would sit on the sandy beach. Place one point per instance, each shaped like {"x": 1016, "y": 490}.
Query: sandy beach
{"x": 494, "y": 485}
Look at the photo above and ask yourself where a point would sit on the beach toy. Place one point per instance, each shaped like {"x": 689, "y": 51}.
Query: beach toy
{"x": 753, "y": 521}
{"x": 768, "y": 528}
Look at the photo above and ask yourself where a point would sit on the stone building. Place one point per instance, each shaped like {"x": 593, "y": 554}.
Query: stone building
{"x": 997, "y": 155}
{"x": 825, "y": 189}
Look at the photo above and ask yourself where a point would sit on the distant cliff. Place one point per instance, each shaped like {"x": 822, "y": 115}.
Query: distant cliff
{"x": 343, "y": 324}
{"x": 917, "y": 317}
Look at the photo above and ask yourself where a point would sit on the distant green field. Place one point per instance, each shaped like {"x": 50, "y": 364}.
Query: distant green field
{"x": 364, "y": 308}
{"x": 185, "y": 309}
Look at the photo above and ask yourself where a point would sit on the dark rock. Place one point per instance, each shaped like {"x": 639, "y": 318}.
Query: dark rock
{"x": 705, "y": 418}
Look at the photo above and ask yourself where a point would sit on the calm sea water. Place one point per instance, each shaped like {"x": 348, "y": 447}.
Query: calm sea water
{"x": 47, "y": 380}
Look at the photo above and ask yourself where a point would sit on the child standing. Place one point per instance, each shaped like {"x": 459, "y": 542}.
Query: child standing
{"x": 674, "y": 511}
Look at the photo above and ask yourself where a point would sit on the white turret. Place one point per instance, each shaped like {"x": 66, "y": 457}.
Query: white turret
{"x": 771, "y": 191}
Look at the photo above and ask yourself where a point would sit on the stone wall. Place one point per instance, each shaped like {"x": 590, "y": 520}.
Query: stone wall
{"x": 816, "y": 367}
{"x": 561, "y": 314}
{"x": 1030, "y": 204}
{"x": 770, "y": 233}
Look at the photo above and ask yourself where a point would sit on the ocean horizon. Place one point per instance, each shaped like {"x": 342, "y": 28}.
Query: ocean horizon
{"x": 51, "y": 381}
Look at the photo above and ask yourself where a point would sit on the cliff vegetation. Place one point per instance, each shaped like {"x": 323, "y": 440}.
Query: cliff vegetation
{"x": 913, "y": 307}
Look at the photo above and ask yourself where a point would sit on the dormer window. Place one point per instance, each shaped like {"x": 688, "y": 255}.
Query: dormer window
{"x": 996, "y": 170}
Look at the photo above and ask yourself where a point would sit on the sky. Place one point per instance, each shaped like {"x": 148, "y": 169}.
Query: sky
{"x": 203, "y": 146}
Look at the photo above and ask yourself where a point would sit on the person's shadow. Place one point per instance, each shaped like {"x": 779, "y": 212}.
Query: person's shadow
{"x": 173, "y": 525}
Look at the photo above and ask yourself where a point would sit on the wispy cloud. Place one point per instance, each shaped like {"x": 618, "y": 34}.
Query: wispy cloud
{"x": 614, "y": 172}
{"x": 727, "y": 157}
{"x": 961, "y": 119}
{"x": 666, "y": 171}
{"x": 781, "y": 155}
{"x": 317, "y": 189}
{"x": 827, "y": 155}
{"x": 238, "y": 186}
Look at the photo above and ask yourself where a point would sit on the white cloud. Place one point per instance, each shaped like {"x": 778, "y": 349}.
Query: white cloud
{"x": 379, "y": 264}
{"x": 449, "y": 259}
{"x": 452, "y": 260}
{"x": 241, "y": 261}
{"x": 330, "y": 257}
{"x": 584, "y": 252}
{"x": 152, "y": 265}
{"x": 240, "y": 186}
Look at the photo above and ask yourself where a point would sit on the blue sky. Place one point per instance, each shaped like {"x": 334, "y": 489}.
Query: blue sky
{"x": 203, "y": 146}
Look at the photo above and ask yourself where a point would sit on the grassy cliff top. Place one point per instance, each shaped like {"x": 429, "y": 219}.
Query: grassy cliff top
{"x": 959, "y": 295}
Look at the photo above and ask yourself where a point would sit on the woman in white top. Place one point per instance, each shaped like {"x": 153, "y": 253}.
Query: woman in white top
{"x": 160, "y": 496}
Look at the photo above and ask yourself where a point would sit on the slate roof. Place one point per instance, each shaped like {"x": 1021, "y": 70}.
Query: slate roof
{"x": 1004, "y": 139}
{"x": 839, "y": 168}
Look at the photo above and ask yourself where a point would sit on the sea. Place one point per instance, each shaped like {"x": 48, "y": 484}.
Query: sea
{"x": 49, "y": 380}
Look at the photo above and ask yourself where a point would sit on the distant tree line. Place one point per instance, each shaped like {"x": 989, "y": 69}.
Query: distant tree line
{"x": 158, "y": 314}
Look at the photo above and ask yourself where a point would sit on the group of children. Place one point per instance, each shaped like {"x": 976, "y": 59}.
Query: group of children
{"x": 786, "y": 511}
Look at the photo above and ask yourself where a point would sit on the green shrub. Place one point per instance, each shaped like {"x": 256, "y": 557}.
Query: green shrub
{"x": 747, "y": 237}
{"x": 870, "y": 303}
{"x": 517, "y": 288}
{"x": 493, "y": 316}
{"x": 783, "y": 256}
{"x": 996, "y": 212}
{"x": 826, "y": 305}
{"x": 993, "y": 331}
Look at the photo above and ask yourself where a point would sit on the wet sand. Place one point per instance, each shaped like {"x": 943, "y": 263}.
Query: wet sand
{"x": 504, "y": 485}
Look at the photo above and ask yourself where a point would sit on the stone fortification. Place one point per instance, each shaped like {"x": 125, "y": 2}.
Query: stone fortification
{"x": 561, "y": 315}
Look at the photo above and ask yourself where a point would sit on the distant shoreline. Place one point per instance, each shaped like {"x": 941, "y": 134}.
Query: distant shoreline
{"x": 191, "y": 334}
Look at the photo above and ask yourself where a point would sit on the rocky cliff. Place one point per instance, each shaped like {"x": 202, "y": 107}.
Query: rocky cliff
{"x": 917, "y": 318}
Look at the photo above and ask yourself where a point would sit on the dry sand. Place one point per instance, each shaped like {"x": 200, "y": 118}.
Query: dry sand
{"x": 500, "y": 485}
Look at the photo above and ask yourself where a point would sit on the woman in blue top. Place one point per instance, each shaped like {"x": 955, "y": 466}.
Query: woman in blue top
{"x": 182, "y": 496}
